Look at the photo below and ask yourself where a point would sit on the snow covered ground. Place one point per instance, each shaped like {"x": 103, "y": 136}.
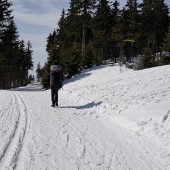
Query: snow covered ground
{"x": 107, "y": 120}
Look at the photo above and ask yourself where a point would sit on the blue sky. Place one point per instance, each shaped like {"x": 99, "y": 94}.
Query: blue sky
{"x": 35, "y": 19}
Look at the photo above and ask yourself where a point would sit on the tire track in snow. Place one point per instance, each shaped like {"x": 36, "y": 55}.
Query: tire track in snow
{"x": 11, "y": 153}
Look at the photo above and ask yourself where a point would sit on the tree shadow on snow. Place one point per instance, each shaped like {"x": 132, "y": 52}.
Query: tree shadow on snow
{"x": 86, "y": 106}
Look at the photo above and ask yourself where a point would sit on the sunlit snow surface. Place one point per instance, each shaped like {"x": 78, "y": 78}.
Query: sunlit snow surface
{"x": 107, "y": 120}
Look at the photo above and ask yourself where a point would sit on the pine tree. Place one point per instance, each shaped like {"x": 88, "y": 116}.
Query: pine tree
{"x": 15, "y": 60}
{"x": 71, "y": 55}
{"x": 115, "y": 10}
{"x": 39, "y": 72}
{"x": 45, "y": 75}
{"x": 102, "y": 30}
{"x": 6, "y": 20}
{"x": 5, "y": 16}
{"x": 28, "y": 64}
{"x": 118, "y": 35}
{"x": 79, "y": 29}
{"x": 115, "y": 13}
{"x": 23, "y": 62}
{"x": 131, "y": 24}
{"x": 166, "y": 45}
{"x": 73, "y": 22}
{"x": 155, "y": 23}
{"x": 87, "y": 11}
{"x": 165, "y": 57}
{"x": 61, "y": 35}
{"x": 6, "y": 40}
{"x": 31, "y": 78}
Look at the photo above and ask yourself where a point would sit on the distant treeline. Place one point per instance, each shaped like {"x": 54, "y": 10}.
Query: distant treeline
{"x": 15, "y": 56}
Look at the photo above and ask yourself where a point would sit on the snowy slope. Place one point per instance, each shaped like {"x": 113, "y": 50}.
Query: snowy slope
{"x": 107, "y": 120}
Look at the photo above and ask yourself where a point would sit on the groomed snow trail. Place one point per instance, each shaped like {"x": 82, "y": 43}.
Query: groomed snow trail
{"x": 14, "y": 125}
{"x": 84, "y": 132}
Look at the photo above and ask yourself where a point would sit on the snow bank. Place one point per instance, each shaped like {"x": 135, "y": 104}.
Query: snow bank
{"x": 108, "y": 119}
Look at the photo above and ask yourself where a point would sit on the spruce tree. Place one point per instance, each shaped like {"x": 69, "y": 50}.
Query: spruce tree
{"x": 119, "y": 34}
{"x": 5, "y": 16}
{"x": 28, "y": 56}
{"x": 71, "y": 56}
{"x": 87, "y": 11}
{"x": 115, "y": 13}
{"x": 38, "y": 72}
{"x": 5, "y": 20}
{"x": 102, "y": 30}
{"x": 15, "y": 60}
{"x": 155, "y": 23}
{"x": 166, "y": 44}
{"x": 61, "y": 35}
{"x": 6, "y": 39}
{"x": 131, "y": 24}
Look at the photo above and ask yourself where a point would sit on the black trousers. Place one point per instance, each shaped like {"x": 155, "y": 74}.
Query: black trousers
{"x": 54, "y": 96}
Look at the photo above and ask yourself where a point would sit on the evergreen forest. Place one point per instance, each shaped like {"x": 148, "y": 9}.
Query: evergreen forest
{"x": 91, "y": 32}
{"x": 88, "y": 33}
{"x": 15, "y": 54}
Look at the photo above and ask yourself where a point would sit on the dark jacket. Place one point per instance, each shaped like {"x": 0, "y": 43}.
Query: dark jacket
{"x": 56, "y": 79}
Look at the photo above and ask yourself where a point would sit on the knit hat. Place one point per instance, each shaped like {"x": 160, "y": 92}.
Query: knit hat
{"x": 55, "y": 68}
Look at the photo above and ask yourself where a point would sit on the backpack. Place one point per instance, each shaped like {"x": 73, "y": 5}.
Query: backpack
{"x": 56, "y": 77}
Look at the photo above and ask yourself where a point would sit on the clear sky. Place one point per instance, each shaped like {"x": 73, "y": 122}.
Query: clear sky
{"x": 35, "y": 19}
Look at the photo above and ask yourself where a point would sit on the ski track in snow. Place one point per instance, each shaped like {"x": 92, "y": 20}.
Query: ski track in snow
{"x": 84, "y": 133}
{"x": 12, "y": 148}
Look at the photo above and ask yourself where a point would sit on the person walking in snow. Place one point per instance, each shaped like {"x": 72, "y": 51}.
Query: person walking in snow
{"x": 56, "y": 79}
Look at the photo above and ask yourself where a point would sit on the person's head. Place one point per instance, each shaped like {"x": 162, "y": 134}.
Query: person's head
{"x": 55, "y": 68}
